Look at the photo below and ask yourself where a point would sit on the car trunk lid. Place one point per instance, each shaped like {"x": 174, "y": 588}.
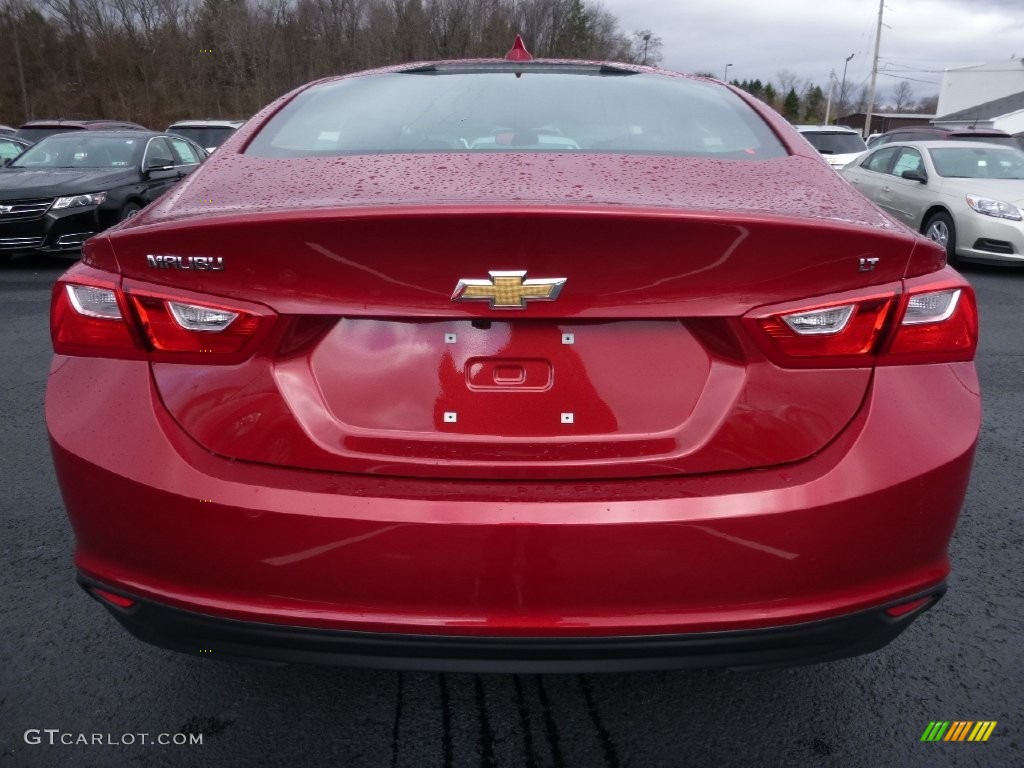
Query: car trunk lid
{"x": 640, "y": 366}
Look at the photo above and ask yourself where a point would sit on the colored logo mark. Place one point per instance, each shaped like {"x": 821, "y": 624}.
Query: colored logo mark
{"x": 508, "y": 290}
{"x": 958, "y": 730}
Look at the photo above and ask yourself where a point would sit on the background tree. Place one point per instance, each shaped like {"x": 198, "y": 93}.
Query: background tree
{"x": 644, "y": 47}
{"x": 808, "y": 105}
{"x": 791, "y": 106}
{"x": 902, "y": 96}
{"x": 814, "y": 105}
{"x": 860, "y": 100}
{"x": 572, "y": 40}
{"x": 927, "y": 105}
{"x": 789, "y": 81}
{"x": 155, "y": 61}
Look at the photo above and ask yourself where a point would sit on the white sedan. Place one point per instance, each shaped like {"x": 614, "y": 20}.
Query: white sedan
{"x": 966, "y": 196}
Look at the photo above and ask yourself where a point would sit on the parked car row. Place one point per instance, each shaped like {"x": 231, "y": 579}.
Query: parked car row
{"x": 209, "y": 134}
{"x": 966, "y": 196}
{"x": 962, "y": 188}
{"x": 112, "y": 177}
{"x": 69, "y": 186}
{"x": 62, "y": 181}
{"x": 841, "y": 144}
{"x": 37, "y": 130}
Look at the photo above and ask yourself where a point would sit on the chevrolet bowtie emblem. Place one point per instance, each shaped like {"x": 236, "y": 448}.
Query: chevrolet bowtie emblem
{"x": 508, "y": 290}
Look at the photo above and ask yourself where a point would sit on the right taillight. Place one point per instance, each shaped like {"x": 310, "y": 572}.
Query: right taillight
{"x": 87, "y": 317}
{"x": 932, "y": 319}
{"x": 938, "y": 322}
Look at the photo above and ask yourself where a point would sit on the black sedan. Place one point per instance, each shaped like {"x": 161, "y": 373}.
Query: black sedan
{"x": 70, "y": 186}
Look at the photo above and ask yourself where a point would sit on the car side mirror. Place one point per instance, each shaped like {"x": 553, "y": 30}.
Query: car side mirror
{"x": 155, "y": 167}
{"x": 6, "y": 161}
{"x": 915, "y": 175}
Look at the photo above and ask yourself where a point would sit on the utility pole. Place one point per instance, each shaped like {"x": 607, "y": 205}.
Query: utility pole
{"x": 874, "y": 71}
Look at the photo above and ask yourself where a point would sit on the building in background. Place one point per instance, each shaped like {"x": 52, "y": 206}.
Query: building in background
{"x": 966, "y": 87}
{"x": 1004, "y": 114}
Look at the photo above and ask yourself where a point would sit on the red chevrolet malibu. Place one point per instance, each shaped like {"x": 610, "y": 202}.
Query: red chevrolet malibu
{"x": 514, "y": 365}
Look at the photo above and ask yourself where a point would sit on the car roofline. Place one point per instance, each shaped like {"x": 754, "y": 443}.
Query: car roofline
{"x": 538, "y": 65}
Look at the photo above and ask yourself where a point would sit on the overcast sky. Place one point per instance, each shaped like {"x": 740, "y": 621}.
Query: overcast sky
{"x": 920, "y": 38}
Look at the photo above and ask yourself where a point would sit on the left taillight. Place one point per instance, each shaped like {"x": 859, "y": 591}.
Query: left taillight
{"x": 95, "y": 316}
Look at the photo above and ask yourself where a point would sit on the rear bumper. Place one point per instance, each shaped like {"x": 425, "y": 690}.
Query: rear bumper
{"x": 227, "y": 639}
{"x": 862, "y": 525}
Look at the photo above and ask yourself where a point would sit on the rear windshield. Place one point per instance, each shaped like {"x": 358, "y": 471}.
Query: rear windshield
{"x": 206, "y": 136}
{"x": 525, "y": 108}
{"x": 835, "y": 143}
{"x": 83, "y": 149}
{"x": 979, "y": 163}
{"x": 37, "y": 134}
{"x": 1006, "y": 141}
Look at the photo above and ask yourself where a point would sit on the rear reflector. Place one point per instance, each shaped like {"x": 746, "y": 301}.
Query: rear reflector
{"x": 903, "y": 609}
{"x": 119, "y": 600}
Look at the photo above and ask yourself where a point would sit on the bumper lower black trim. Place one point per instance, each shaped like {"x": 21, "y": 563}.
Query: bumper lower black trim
{"x": 216, "y": 637}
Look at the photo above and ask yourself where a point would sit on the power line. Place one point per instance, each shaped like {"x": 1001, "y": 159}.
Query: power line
{"x": 904, "y": 77}
{"x": 944, "y": 70}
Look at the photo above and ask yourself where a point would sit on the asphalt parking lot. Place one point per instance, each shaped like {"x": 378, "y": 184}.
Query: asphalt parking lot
{"x": 66, "y": 668}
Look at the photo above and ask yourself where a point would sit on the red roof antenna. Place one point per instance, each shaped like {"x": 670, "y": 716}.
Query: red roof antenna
{"x": 518, "y": 51}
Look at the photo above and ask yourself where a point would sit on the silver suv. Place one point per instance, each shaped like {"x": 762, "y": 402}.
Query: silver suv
{"x": 839, "y": 144}
{"x": 208, "y": 134}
